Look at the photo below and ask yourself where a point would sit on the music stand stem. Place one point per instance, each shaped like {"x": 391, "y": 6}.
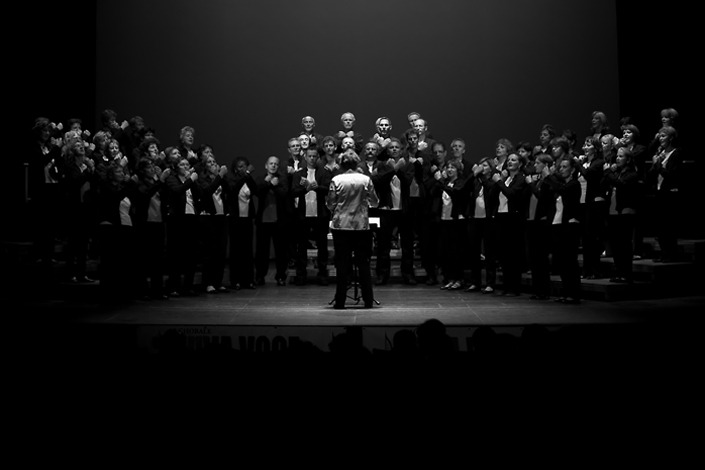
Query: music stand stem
{"x": 354, "y": 284}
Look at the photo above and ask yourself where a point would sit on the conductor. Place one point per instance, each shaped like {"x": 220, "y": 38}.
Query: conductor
{"x": 350, "y": 195}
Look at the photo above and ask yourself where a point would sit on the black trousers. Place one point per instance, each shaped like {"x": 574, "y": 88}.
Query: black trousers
{"x": 453, "y": 238}
{"x": 214, "y": 233}
{"x": 621, "y": 236}
{"x": 483, "y": 240}
{"x": 566, "y": 241}
{"x": 352, "y": 246}
{"x": 510, "y": 231}
{"x": 390, "y": 220}
{"x": 594, "y": 236}
{"x": 312, "y": 228}
{"x": 276, "y": 234}
{"x": 242, "y": 248}
{"x": 667, "y": 222}
{"x": 181, "y": 251}
{"x": 150, "y": 246}
{"x": 539, "y": 247}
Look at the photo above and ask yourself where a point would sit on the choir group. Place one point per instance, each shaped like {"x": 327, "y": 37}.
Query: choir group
{"x": 156, "y": 215}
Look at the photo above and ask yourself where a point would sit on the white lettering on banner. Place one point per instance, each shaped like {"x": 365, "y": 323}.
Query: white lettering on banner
{"x": 262, "y": 344}
{"x": 250, "y": 339}
{"x": 263, "y": 339}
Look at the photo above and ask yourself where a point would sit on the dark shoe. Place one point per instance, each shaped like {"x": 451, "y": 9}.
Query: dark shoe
{"x": 473, "y": 288}
{"x": 539, "y": 297}
{"x": 409, "y": 280}
{"x": 260, "y": 281}
{"x": 222, "y": 290}
{"x": 455, "y": 286}
{"x": 251, "y": 286}
{"x": 368, "y": 304}
{"x": 281, "y": 282}
{"x": 237, "y": 286}
{"x": 432, "y": 281}
{"x": 571, "y": 301}
{"x": 338, "y": 306}
{"x": 381, "y": 281}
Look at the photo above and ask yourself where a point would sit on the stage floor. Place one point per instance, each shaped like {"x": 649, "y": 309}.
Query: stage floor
{"x": 270, "y": 316}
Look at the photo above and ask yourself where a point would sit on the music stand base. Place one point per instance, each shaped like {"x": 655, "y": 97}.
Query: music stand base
{"x": 355, "y": 286}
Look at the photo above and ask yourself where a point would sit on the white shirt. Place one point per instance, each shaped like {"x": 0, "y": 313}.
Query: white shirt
{"x": 395, "y": 185}
{"x": 311, "y": 196}
{"x": 243, "y": 201}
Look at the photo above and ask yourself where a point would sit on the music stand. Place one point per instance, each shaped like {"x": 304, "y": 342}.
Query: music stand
{"x": 354, "y": 284}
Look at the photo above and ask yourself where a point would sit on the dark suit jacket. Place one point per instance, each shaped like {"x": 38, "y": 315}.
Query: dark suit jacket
{"x": 176, "y": 194}
{"x": 207, "y": 187}
{"x": 671, "y": 172}
{"x": 382, "y": 183}
{"x": 490, "y": 194}
{"x": 282, "y": 198}
{"x": 145, "y": 190}
{"x": 546, "y": 200}
{"x": 459, "y": 194}
{"x": 626, "y": 184}
{"x": 323, "y": 178}
{"x": 570, "y": 194}
{"x": 234, "y": 181}
{"x": 516, "y": 194}
{"x": 593, "y": 175}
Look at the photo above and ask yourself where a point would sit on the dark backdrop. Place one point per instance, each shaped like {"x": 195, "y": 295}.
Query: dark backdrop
{"x": 244, "y": 73}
